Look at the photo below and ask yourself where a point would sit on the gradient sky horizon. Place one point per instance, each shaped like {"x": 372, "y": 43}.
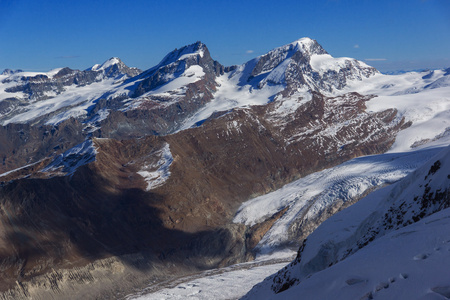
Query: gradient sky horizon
{"x": 389, "y": 35}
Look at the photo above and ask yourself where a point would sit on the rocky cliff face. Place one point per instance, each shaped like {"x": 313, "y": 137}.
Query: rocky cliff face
{"x": 23, "y": 144}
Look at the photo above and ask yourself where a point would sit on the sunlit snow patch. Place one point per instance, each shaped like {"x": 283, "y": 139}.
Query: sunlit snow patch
{"x": 69, "y": 161}
{"x": 159, "y": 176}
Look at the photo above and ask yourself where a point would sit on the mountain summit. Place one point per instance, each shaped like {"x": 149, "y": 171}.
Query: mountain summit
{"x": 114, "y": 67}
{"x": 304, "y": 64}
{"x": 195, "y": 57}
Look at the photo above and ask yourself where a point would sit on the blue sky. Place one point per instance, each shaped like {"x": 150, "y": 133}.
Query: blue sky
{"x": 387, "y": 34}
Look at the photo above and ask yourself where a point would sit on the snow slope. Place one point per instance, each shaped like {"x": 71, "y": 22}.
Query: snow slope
{"x": 75, "y": 100}
{"x": 227, "y": 283}
{"x": 429, "y": 112}
{"x": 69, "y": 94}
{"x": 175, "y": 87}
{"x": 265, "y": 78}
{"x": 69, "y": 161}
{"x": 157, "y": 174}
{"x": 427, "y": 108}
{"x": 410, "y": 263}
{"x": 310, "y": 196}
{"x": 396, "y": 233}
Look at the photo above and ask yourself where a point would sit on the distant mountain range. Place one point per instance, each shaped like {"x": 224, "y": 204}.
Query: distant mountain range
{"x": 112, "y": 175}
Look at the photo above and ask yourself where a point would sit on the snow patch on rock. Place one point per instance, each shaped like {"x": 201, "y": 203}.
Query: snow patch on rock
{"x": 69, "y": 161}
{"x": 157, "y": 174}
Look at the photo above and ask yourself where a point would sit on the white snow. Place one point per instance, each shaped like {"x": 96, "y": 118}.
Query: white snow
{"x": 322, "y": 63}
{"x": 157, "y": 174}
{"x": 417, "y": 253}
{"x": 410, "y": 263}
{"x": 172, "y": 90}
{"x": 69, "y": 161}
{"x": 227, "y": 284}
{"x": 427, "y": 108}
{"x": 429, "y": 111}
{"x": 304, "y": 44}
{"x": 390, "y": 259}
{"x": 190, "y": 75}
{"x": 75, "y": 99}
{"x": 179, "y": 54}
{"x": 9, "y": 81}
{"x": 231, "y": 94}
{"x": 409, "y": 269}
{"x": 230, "y": 282}
{"x": 311, "y": 195}
{"x": 101, "y": 115}
{"x": 110, "y": 62}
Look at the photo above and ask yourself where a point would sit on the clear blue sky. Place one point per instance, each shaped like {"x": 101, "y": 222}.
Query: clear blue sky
{"x": 387, "y": 34}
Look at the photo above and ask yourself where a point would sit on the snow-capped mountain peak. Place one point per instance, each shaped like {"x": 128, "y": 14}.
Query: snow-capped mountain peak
{"x": 195, "y": 49}
{"x": 114, "y": 67}
{"x": 175, "y": 64}
{"x": 309, "y": 46}
{"x": 302, "y": 65}
{"x": 107, "y": 64}
{"x": 193, "y": 52}
{"x": 304, "y": 47}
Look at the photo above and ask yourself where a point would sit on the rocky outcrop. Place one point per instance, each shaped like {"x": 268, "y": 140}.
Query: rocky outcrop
{"x": 23, "y": 144}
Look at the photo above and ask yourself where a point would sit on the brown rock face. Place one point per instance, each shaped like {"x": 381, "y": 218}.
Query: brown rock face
{"x": 105, "y": 210}
{"x": 22, "y": 144}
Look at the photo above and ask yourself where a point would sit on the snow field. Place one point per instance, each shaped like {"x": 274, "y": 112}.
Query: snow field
{"x": 157, "y": 174}
{"x": 227, "y": 284}
{"x": 409, "y": 263}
